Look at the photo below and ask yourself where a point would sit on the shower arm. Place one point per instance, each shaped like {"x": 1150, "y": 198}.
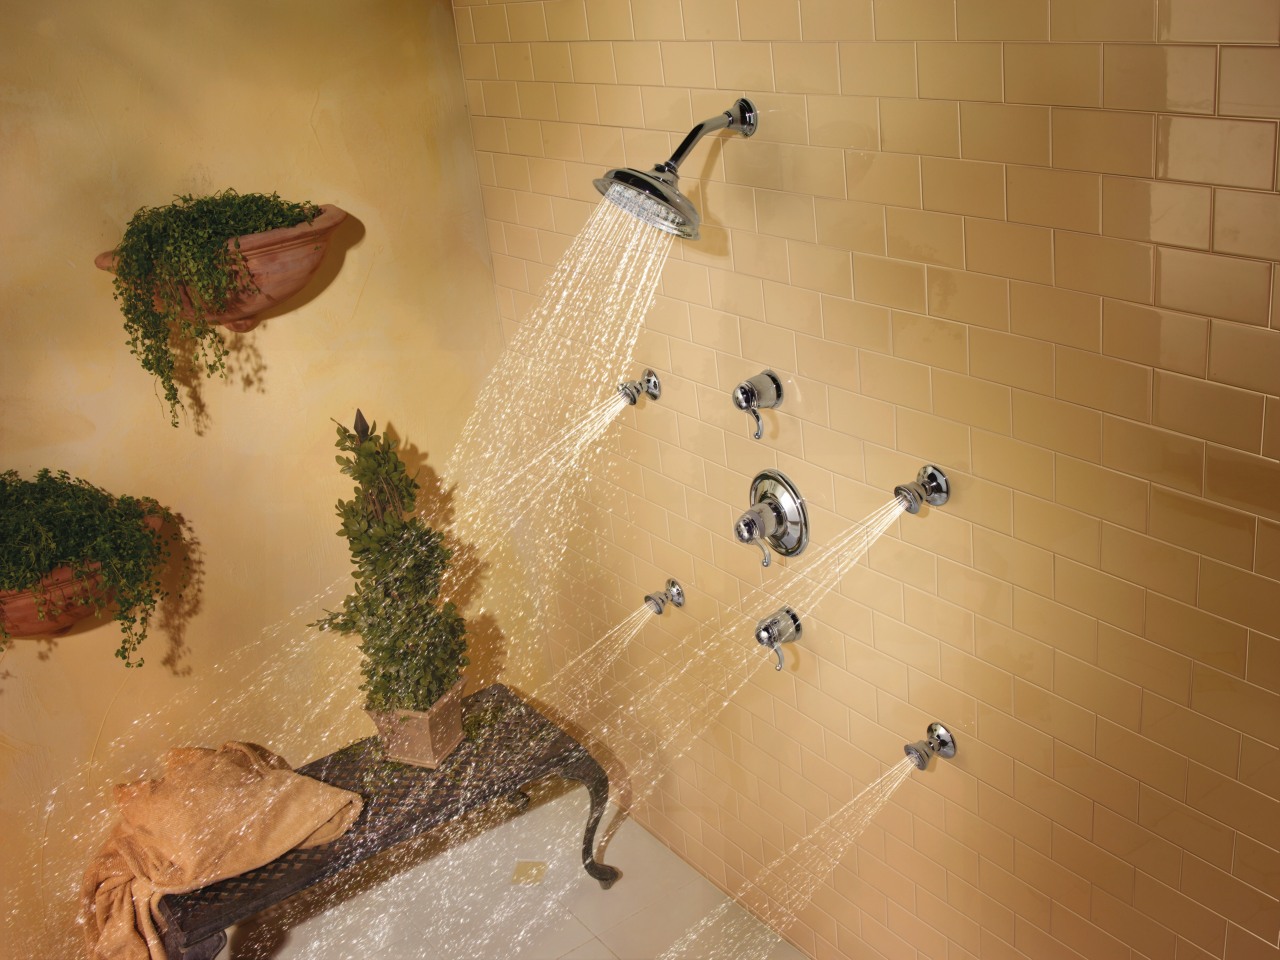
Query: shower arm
{"x": 741, "y": 117}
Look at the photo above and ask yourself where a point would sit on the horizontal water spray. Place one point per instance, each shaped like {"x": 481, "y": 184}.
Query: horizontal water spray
{"x": 647, "y": 386}
{"x": 930, "y": 486}
{"x": 779, "y": 894}
{"x": 937, "y": 741}
{"x": 673, "y": 594}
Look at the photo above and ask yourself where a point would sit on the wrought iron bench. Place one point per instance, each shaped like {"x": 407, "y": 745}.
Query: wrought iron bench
{"x": 515, "y": 746}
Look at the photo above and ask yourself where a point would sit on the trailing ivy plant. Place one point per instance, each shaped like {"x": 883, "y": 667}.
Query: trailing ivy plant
{"x": 175, "y": 270}
{"x": 57, "y": 520}
{"x": 413, "y": 644}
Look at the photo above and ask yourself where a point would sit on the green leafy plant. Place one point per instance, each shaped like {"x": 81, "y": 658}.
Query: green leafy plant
{"x": 175, "y": 270}
{"x": 57, "y": 520}
{"x": 413, "y": 644}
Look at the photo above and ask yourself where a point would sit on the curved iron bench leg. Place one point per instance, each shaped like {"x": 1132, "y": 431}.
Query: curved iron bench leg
{"x": 205, "y": 949}
{"x": 591, "y": 775}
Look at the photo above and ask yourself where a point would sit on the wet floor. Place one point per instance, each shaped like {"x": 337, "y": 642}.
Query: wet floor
{"x": 515, "y": 908}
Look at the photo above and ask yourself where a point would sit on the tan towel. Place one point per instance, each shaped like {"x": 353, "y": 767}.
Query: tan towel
{"x": 214, "y": 814}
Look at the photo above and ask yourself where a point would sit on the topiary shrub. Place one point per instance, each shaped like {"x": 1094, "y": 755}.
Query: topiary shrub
{"x": 413, "y": 645}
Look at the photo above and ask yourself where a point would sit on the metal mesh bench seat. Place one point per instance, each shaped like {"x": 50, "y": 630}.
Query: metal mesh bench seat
{"x": 512, "y": 746}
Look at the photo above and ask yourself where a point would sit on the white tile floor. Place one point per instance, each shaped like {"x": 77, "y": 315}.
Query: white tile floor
{"x": 460, "y": 903}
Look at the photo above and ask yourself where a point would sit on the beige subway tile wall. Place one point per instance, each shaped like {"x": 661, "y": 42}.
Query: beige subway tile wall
{"x": 1034, "y": 242}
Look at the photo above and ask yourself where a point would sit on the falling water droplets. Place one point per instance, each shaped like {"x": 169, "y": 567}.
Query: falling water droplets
{"x": 535, "y": 437}
{"x": 804, "y": 588}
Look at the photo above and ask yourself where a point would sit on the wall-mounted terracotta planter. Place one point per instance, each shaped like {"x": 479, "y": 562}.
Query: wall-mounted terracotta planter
{"x": 21, "y": 616}
{"x": 77, "y": 598}
{"x": 279, "y": 261}
{"x": 422, "y": 738}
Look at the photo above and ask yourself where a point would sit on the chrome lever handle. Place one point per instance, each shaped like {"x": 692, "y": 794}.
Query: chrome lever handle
{"x": 776, "y": 629}
{"x": 754, "y": 527}
{"x": 767, "y": 558}
{"x": 763, "y": 391}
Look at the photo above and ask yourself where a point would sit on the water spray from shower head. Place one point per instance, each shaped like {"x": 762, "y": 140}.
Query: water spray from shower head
{"x": 937, "y": 740}
{"x": 654, "y": 196}
{"x": 930, "y": 486}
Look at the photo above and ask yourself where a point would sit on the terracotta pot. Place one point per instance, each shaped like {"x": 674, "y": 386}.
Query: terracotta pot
{"x": 21, "y": 616}
{"x": 280, "y": 262}
{"x": 422, "y": 738}
{"x": 77, "y": 598}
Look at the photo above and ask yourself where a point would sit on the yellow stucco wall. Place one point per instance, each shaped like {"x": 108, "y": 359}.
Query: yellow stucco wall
{"x": 106, "y": 108}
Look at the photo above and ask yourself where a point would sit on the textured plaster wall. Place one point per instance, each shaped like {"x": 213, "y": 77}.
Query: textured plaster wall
{"x": 106, "y": 108}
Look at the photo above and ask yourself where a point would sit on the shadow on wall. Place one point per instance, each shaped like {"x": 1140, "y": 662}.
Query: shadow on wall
{"x": 486, "y": 644}
{"x": 714, "y": 243}
{"x": 182, "y": 582}
{"x": 180, "y": 606}
{"x": 245, "y": 365}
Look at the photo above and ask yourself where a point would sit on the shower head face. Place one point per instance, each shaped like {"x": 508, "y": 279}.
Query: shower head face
{"x": 920, "y": 752}
{"x": 938, "y": 741}
{"x": 912, "y": 496}
{"x": 652, "y": 198}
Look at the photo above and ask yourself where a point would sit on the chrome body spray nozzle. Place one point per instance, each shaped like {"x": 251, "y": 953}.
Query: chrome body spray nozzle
{"x": 648, "y": 386}
{"x": 930, "y": 486}
{"x": 782, "y": 626}
{"x": 761, "y": 392}
{"x": 673, "y": 594}
{"x": 937, "y": 741}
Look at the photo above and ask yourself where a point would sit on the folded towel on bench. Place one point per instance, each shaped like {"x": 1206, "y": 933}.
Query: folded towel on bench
{"x": 214, "y": 814}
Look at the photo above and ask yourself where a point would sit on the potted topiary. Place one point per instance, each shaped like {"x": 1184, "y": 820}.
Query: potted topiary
{"x": 184, "y": 269}
{"x": 69, "y": 550}
{"x": 413, "y": 644}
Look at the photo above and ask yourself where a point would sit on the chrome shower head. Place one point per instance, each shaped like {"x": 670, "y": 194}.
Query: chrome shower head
{"x": 930, "y": 486}
{"x": 654, "y": 197}
{"x": 647, "y": 386}
{"x": 938, "y": 740}
{"x": 673, "y": 594}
